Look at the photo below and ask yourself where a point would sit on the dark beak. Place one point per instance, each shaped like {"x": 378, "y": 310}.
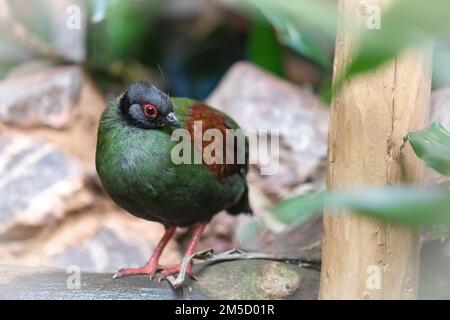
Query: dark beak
{"x": 172, "y": 120}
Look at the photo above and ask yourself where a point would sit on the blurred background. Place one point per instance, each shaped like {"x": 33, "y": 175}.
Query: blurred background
{"x": 269, "y": 67}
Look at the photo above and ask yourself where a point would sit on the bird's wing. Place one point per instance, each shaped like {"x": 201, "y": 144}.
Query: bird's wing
{"x": 236, "y": 149}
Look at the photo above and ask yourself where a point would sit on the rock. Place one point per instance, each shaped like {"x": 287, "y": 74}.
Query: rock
{"x": 68, "y": 24}
{"x": 34, "y": 28}
{"x": 99, "y": 238}
{"x": 54, "y": 284}
{"x": 79, "y": 136}
{"x": 27, "y": 68}
{"x": 434, "y": 266}
{"x": 106, "y": 251}
{"x": 302, "y": 241}
{"x": 251, "y": 279}
{"x": 255, "y": 280}
{"x": 259, "y": 100}
{"x": 39, "y": 94}
{"x": 36, "y": 181}
{"x": 278, "y": 282}
{"x": 11, "y": 51}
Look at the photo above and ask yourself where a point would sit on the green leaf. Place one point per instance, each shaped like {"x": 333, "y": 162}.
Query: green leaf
{"x": 297, "y": 210}
{"x": 320, "y": 15}
{"x": 264, "y": 49}
{"x": 407, "y": 23}
{"x": 432, "y": 145}
{"x": 119, "y": 30}
{"x": 308, "y": 26}
{"x": 293, "y": 35}
{"x": 400, "y": 204}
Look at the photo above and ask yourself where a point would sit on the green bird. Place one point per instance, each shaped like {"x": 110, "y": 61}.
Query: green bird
{"x": 135, "y": 166}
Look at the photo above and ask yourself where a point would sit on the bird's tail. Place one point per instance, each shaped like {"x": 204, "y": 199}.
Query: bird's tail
{"x": 242, "y": 206}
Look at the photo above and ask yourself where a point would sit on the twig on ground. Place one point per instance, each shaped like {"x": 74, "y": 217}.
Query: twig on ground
{"x": 208, "y": 256}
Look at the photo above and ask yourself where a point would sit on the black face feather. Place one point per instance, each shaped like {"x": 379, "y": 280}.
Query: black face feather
{"x": 145, "y": 106}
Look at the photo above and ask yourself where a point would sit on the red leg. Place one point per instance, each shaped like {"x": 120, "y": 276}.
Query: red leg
{"x": 169, "y": 270}
{"x": 151, "y": 267}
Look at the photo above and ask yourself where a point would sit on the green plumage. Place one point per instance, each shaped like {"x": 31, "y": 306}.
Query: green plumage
{"x": 136, "y": 170}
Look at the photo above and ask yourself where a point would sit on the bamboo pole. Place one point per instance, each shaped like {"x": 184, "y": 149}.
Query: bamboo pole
{"x": 365, "y": 258}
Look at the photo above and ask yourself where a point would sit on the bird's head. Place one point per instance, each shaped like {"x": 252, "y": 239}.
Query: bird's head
{"x": 147, "y": 107}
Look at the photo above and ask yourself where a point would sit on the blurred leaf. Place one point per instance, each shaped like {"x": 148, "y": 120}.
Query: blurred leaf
{"x": 298, "y": 209}
{"x": 264, "y": 48}
{"x": 98, "y": 10}
{"x": 432, "y": 145}
{"x": 320, "y": 15}
{"x": 119, "y": 29}
{"x": 407, "y": 23}
{"x": 441, "y": 64}
{"x": 402, "y": 204}
{"x": 325, "y": 91}
{"x": 292, "y": 34}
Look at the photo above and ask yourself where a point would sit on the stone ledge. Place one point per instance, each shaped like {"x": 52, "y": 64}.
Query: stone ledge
{"x": 249, "y": 279}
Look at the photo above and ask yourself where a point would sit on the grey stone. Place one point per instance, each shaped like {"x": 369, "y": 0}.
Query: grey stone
{"x": 37, "y": 94}
{"x": 256, "y": 280}
{"x": 68, "y": 24}
{"x": 54, "y": 284}
{"x": 300, "y": 241}
{"x": 35, "y": 181}
{"x": 245, "y": 279}
{"x": 106, "y": 251}
{"x": 60, "y": 26}
{"x": 259, "y": 100}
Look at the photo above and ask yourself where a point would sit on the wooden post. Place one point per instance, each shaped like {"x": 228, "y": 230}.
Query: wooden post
{"x": 365, "y": 258}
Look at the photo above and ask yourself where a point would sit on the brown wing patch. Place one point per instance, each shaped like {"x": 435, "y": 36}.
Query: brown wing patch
{"x": 211, "y": 119}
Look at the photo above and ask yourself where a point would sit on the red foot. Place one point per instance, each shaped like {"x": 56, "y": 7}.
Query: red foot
{"x": 152, "y": 267}
{"x": 147, "y": 269}
{"x": 173, "y": 269}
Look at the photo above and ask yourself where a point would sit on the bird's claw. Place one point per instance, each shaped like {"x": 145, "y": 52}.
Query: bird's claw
{"x": 161, "y": 273}
{"x": 149, "y": 270}
{"x": 173, "y": 269}
{"x": 116, "y": 275}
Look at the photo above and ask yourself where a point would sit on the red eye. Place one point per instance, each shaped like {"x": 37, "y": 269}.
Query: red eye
{"x": 150, "y": 110}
